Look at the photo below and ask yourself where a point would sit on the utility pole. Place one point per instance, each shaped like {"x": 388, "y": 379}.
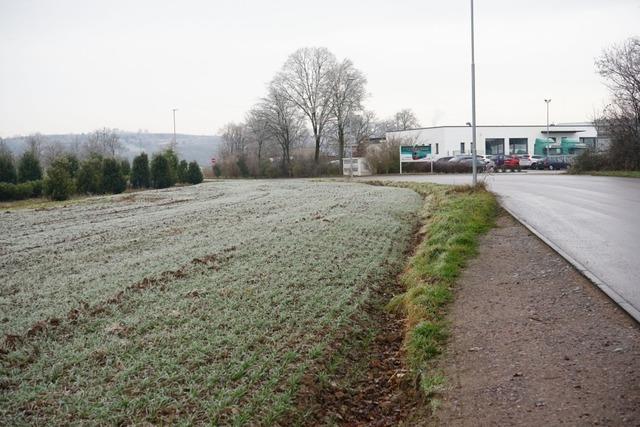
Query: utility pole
{"x": 175, "y": 142}
{"x": 547, "y": 101}
{"x": 473, "y": 104}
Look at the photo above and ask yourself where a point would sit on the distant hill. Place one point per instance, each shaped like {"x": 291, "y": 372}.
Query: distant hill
{"x": 190, "y": 147}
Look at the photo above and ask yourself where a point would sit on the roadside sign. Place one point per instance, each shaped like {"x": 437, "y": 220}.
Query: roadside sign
{"x": 415, "y": 153}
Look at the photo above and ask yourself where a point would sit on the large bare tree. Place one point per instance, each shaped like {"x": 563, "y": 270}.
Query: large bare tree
{"x": 361, "y": 127}
{"x": 306, "y": 81}
{"x": 348, "y": 92}
{"x": 405, "y": 119}
{"x": 283, "y": 122}
{"x": 619, "y": 65}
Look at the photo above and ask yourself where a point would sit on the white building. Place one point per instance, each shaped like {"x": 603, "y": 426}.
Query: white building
{"x": 517, "y": 139}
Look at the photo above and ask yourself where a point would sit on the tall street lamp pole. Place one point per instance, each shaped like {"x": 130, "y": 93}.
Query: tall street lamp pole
{"x": 547, "y": 101}
{"x": 473, "y": 104}
{"x": 350, "y": 159}
{"x": 174, "y": 125}
{"x": 350, "y": 146}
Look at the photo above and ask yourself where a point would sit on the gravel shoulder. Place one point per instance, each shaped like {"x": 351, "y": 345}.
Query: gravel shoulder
{"x": 534, "y": 343}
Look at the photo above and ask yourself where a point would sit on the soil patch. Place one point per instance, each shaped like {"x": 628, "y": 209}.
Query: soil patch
{"x": 535, "y": 343}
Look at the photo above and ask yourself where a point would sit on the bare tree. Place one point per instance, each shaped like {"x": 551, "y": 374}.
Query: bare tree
{"x": 306, "y": 81}
{"x": 257, "y": 130}
{"x": 234, "y": 137}
{"x": 348, "y": 92}
{"x": 50, "y": 152}
{"x": 405, "y": 119}
{"x": 361, "y": 127}
{"x": 620, "y": 67}
{"x": 34, "y": 144}
{"x": 104, "y": 142}
{"x": 283, "y": 121}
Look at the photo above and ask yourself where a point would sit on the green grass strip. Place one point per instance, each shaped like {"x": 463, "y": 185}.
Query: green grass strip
{"x": 621, "y": 174}
{"x": 453, "y": 220}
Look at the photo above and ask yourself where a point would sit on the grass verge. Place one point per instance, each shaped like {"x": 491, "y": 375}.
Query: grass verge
{"x": 453, "y": 219}
{"x": 621, "y": 174}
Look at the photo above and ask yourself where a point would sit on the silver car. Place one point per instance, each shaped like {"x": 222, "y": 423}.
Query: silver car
{"x": 535, "y": 161}
{"x": 525, "y": 161}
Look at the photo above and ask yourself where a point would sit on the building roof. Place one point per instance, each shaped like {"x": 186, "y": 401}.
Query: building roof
{"x": 503, "y": 126}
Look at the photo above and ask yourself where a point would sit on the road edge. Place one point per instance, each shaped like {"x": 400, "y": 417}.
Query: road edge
{"x": 606, "y": 289}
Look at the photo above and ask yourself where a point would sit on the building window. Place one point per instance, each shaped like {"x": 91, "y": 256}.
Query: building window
{"x": 437, "y": 148}
{"x": 462, "y": 148}
{"x": 493, "y": 146}
{"x": 589, "y": 142}
{"x": 518, "y": 146}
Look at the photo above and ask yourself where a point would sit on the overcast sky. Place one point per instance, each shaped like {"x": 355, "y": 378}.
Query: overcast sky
{"x": 74, "y": 66}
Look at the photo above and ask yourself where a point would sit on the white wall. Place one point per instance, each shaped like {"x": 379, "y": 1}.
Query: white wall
{"x": 449, "y": 137}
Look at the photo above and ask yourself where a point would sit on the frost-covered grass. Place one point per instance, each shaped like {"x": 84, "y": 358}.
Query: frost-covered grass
{"x": 187, "y": 305}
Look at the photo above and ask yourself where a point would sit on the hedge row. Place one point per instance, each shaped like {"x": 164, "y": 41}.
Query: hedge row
{"x": 20, "y": 191}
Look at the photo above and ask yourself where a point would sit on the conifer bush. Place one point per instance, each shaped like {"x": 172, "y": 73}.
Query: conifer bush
{"x": 183, "y": 167}
{"x": 140, "y": 171}
{"x": 58, "y": 185}
{"x": 8, "y": 172}
{"x": 89, "y": 179}
{"x": 113, "y": 180}
{"x": 194, "y": 174}
{"x": 29, "y": 168}
{"x": 160, "y": 172}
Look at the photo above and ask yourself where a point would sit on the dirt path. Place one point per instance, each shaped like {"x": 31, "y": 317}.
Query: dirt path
{"x": 534, "y": 343}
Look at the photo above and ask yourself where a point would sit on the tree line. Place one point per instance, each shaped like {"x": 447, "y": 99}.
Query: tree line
{"x": 314, "y": 101}
{"x": 98, "y": 171}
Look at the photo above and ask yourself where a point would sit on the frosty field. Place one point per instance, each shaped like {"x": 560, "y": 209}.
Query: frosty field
{"x": 193, "y": 304}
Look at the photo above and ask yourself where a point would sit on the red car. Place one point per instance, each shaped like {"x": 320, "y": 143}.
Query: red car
{"x": 503, "y": 163}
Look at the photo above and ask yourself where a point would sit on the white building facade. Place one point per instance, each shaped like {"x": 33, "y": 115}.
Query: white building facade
{"x": 455, "y": 140}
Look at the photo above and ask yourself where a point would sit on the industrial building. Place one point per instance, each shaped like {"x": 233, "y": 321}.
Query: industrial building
{"x": 493, "y": 140}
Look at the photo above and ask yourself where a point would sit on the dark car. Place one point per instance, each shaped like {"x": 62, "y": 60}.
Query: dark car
{"x": 553, "y": 163}
{"x": 444, "y": 159}
{"x": 480, "y": 163}
{"x": 464, "y": 163}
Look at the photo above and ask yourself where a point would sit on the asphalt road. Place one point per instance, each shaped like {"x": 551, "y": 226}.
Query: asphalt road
{"x": 594, "y": 222}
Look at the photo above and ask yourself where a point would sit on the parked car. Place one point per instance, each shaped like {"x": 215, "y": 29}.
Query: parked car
{"x": 553, "y": 163}
{"x": 467, "y": 161}
{"x": 480, "y": 163}
{"x": 458, "y": 164}
{"x": 535, "y": 160}
{"x": 525, "y": 160}
{"x": 444, "y": 159}
{"x": 504, "y": 163}
{"x": 456, "y": 159}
